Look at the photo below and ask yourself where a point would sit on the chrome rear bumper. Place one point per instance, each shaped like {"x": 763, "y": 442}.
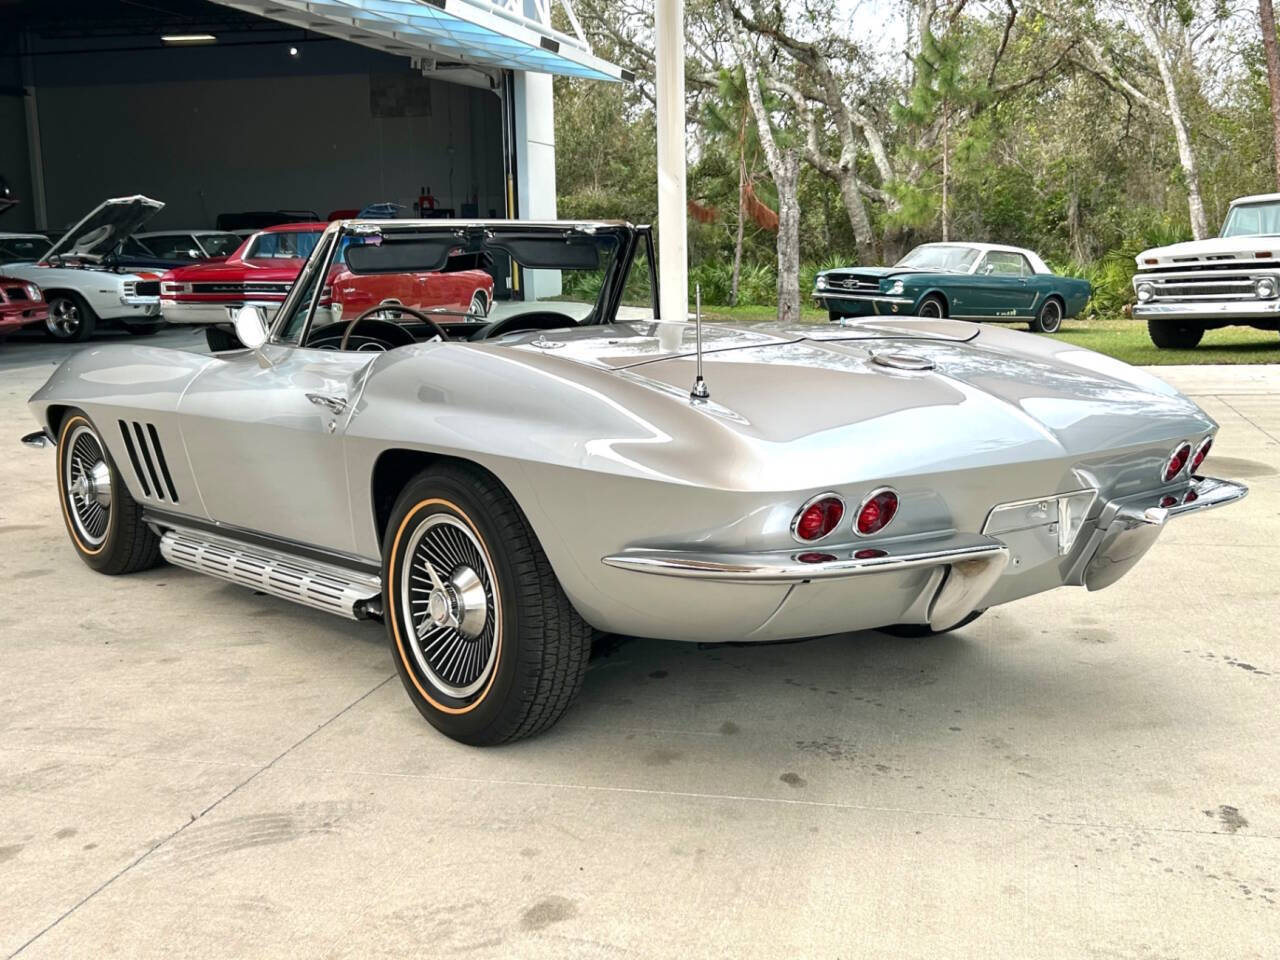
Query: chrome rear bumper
{"x": 947, "y": 576}
{"x": 973, "y": 563}
{"x": 1126, "y": 529}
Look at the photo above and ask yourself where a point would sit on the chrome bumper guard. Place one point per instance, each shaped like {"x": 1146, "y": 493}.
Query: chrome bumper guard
{"x": 1126, "y": 529}
{"x": 974, "y": 563}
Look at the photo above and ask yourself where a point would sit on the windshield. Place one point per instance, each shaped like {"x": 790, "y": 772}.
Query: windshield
{"x": 22, "y": 249}
{"x": 219, "y": 244}
{"x": 940, "y": 256}
{"x": 286, "y": 245}
{"x": 1253, "y": 220}
{"x": 465, "y": 277}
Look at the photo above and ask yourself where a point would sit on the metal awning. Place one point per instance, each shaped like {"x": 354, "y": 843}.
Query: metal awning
{"x": 512, "y": 34}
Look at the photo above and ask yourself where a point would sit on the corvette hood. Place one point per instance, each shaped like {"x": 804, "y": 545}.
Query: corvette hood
{"x": 970, "y": 403}
{"x": 104, "y": 228}
{"x": 623, "y": 345}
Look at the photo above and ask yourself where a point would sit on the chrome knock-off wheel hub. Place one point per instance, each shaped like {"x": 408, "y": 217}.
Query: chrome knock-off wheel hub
{"x": 448, "y": 599}
{"x": 88, "y": 483}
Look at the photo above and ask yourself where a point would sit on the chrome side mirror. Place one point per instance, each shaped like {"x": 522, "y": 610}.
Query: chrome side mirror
{"x": 251, "y": 326}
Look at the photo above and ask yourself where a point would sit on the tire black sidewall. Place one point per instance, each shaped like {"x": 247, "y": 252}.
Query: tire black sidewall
{"x": 497, "y": 709}
{"x": 936, "y": 303}
{"x": 1041, "y": 325}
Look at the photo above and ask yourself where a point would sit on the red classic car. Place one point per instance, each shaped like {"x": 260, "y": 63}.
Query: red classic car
{"x": 263, "y": 269}
{"x": 21, "y": 303}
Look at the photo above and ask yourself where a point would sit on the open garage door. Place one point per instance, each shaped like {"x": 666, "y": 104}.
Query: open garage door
{"x": 439, "y": 108}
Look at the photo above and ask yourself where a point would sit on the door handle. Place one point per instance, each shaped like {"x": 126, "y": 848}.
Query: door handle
{"x": 334, "y": 405}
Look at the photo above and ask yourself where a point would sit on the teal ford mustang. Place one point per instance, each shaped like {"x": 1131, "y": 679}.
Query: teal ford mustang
{"x": 973, "y": 281}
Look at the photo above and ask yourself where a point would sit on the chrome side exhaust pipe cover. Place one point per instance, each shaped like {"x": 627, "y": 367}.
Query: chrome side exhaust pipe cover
{"x": 347, "y": 593}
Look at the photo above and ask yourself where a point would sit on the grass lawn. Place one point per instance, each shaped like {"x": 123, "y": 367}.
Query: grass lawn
{"x": 1120, "y": 337}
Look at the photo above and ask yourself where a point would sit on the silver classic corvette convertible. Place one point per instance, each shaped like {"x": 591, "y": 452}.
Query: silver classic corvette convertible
{"x": 499, "y": 489}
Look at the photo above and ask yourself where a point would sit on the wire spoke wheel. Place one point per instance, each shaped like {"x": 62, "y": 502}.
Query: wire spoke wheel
{"x": 448, "y": 600}
{"x": 87, "y": 480}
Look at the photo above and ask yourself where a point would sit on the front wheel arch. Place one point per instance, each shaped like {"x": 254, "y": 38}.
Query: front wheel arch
{"x": 939, "y": 297}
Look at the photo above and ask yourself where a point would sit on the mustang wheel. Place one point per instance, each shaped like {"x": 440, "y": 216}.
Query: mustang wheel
{"x": 71, "y": 320}
{"x": 104, "y": 522}
{"x": 1170, "y": 334}
{"x": 485, "y": 640}
{"x": 478, "y": 307}
{"x": 932, "y": 306}
{"x": 1049, "y": 319}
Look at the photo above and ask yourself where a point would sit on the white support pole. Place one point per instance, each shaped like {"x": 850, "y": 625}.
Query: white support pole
{"x": 673, "y": 241}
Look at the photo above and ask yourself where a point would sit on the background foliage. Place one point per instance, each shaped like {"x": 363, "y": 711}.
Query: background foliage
{"x": 1064, "y": 162}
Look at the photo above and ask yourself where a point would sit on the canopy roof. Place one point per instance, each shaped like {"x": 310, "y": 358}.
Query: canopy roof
{"x": 512, "y": 34}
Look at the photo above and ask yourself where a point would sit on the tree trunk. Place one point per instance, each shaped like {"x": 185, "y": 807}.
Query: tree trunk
{"x": 1186, "y": 152}
{"x": 784, "y": 168}
{"x": 946, "y": 171}
{"x": 787, "y": 179}
{"x": 737, "y": 245}
{"x": 857, "y": 211}
{"x": 1268, "y": 16}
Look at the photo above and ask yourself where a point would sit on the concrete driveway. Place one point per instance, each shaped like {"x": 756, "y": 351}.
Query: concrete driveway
{"x": 187, "y": 769}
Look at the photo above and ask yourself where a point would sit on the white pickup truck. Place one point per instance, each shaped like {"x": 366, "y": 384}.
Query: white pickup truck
{"x": 1230, "y": 280}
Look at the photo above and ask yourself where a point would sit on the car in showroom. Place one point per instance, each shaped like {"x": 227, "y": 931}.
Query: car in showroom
{"x": 23, "y": 247}
{"x": 21, "y": 304}
{"x": 500, "y": 490}
{"x": 186, "y": 245}
{"x": 265, "y": 266}
{"x": 83, "y": 287}
{"x": 966, "y": 281}
{"x": 1232, "y": 279}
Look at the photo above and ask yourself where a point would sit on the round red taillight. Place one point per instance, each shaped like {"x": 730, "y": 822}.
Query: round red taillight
{"x": 869, "y": 554}
{"x": 1202, "y": 451}
{"x": 1168, "y": 501}
{"x": 1177, "y": 460}
{"x": 817, "y": 518}
{"x": 876, "y": 512}
{"x": 1191, "y": 497}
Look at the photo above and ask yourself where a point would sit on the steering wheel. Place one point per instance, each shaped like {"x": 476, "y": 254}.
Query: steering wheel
{"x": 533, "y": 320}
{"x": 367, "y": 317}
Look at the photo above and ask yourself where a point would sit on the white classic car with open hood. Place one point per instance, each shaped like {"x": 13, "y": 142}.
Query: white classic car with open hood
{"x": 83, "y": 285}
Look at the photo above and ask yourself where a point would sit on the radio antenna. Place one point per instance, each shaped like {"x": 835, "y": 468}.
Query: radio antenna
{"x": 700, "y": 390}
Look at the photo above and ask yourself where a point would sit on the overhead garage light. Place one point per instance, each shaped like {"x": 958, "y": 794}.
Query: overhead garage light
{"x": 188, "y": 38}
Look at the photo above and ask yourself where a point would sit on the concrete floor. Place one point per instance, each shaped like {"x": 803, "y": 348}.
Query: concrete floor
{"x": 187, "y": 769}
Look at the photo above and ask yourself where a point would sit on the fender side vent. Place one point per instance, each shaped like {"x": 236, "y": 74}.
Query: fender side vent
{"x": 146, "y": 454}
{"x": 133, "y": 459}
{"x": 164, "y": 466}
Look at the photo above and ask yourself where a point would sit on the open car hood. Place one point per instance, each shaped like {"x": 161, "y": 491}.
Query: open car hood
{"x": 104, "y": 228}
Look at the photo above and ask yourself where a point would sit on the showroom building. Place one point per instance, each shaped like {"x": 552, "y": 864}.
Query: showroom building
{"x": 442, "y": 107}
